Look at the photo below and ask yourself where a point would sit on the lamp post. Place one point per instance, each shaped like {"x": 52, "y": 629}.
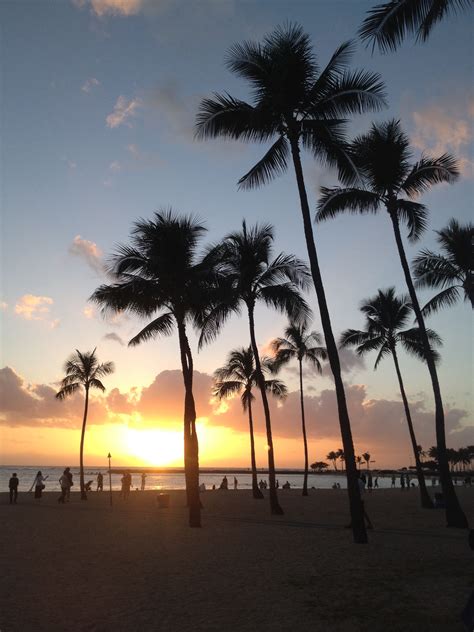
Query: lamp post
{"x": 109, "y": 456}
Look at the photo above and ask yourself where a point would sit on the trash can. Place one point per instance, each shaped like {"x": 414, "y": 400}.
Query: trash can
{"x": 163, "y": 500}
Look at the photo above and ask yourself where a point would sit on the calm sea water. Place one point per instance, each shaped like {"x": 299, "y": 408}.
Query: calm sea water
{"x": 27, "y": 474}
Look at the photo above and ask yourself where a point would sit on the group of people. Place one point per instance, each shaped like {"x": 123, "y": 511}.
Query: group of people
{"x": 225, "y": 483}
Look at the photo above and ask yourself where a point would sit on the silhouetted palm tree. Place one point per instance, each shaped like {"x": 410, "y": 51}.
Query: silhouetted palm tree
{"x": 248, "y": 276}
{"x": 452, "y": 271}
{"x": 299, "y": 106}
{"x": 304, "y": 346}
{"x": 383, "y": 155}
{"x": 160, "y": 273}
{"x": 239, "y": 375}
{"x": 359, "y": 460}
{"x": 365, "y": 455}
{"x": 83, "y": 370}
{"x": 386, "y": 315}
{"x": 387, "y": 24}
{"x": 332, "y": 456}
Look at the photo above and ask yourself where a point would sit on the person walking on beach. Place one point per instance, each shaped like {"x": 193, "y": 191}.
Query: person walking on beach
{"x": 143, "y": 482}
{"x": 100, "y": 482}
{"x": 39, "y": 485}
{"x": 65, "y": 483}
{"x": 236, "y": 482}
{"x": 13, "y": 487}
{"x": 369, "y": 482}
{"x": 376, "y": 482}
{"x": 68, "y": 473}
{"x": 126, "y": 484}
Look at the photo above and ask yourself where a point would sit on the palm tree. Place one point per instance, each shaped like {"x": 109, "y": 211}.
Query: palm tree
{"x": 161, "y": 274}
{"x": 332, "y": 456}
{"x": 452, "y": 271}
{"x": 387, "y": 24}
{"x": 83, "y": 370}
{"x": 366, "y": 455}
{"x": 239, "y": 376}
{"x": 386, "y": 316}
{"x": 383, "y": 155}
{"x": 342, "y": 457}
{"x": 248, "y": 275}
{"x": 359, "y": 460}
{"x": 301, "y": 345}
{"x": 298, "y": 106}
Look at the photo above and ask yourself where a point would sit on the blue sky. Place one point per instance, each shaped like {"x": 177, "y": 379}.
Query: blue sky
{"x": 98, "y": 105}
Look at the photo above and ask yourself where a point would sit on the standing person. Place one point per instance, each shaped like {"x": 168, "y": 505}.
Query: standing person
{"x": 407, "y": 481}
{"x": 143, "y": 482}
{"x": 369, "y": 481}
{"x": 38, "y": 484}
{"x": 68, "y": 473}
{"x": 402, "y": 482}
{"x": 393, "y": 480}
{"x": 376, "y": 482}
{"x": 13, "y": 487}
{"x": 65, "y": 483}
{"x": 100, "y": 482}
{"x": 225, "y": 483}
{"x": 236, "y": 482}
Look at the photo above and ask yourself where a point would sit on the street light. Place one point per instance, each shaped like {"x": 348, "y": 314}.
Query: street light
{"x": 109, "y": 456}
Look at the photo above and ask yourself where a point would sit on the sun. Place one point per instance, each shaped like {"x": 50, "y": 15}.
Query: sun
{"x": 155, "y": 447}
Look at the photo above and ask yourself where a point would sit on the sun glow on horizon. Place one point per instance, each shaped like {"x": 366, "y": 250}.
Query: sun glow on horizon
{"x": 155, "y": 447}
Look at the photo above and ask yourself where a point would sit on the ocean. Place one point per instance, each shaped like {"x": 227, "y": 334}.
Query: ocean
{"x": 173, "y": 479}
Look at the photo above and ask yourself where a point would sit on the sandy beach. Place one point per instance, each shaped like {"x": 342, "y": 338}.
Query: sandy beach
{"x": 88, "y": 567}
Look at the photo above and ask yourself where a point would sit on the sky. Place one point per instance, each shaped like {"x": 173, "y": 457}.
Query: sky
{"x": 98, "y": 101}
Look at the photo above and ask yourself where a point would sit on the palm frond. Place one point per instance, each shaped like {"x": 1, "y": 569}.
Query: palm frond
{"x": 67, "y": 390}
{"x": 354, "y": 92}
{"x": 282, "y": 357}
{"x": 430, "y": 171}
{"x": 414, "y": 215}
{"x": 107, "y": 368}
{"x": 336, "y": 200}
{"x": 358, "y": 338}
{"x": 276, "y": 388}
{"x": 446, "y": 298}
{"x": 432, "y": 270}
{"x": 95, "y": 383}
{"x": 226, "y": 389}
{"x": 412, "y": 343}
{"x": 161, "y": 326}
{"x": 286, "y": 299}
{"x": 287, "y": 268}
{"x": 334, "y": 69}
{"x": 273, "y": 164}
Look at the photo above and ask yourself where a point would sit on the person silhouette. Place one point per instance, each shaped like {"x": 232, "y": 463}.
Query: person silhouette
{"x": 38, "y": 484}
{"x": 13, "y": 487}
{"x": 143, "y": 481}
{"x": 100, "y": 482}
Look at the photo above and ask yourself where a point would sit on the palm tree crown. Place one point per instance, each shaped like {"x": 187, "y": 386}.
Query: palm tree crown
{"x": 452, "y": 271}
{"x": 298, "y": 344}
{"x": 239, "y": 376}
{"x": 385, "y": 317}
{"x": 383, "y": 156}
{"x": 83, "y": 370}
{"x": 387, "y": 24}
{"x": 292, "y": 99}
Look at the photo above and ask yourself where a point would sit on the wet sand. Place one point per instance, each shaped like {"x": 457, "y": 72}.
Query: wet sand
{"x": 88, "y": 567}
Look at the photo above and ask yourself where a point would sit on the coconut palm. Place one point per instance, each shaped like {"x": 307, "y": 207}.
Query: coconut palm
{"x": 387, "y": 24}
{"x": 452, "y": 271}
{"x": 83, "y": 371}
{"x": 248, "y": 276}
{"x": 383, "y": 155}
{"x": 342, "y": 457}
{"x": 238, "y": 375}
{"x": 304, "y": 346}
{"x": 359, "y": 460}
{"x": 160, "y": 276}
{"x": 386, "y": 317}
{"x": 332, "y": 456}
{"x": 296, "y": 105}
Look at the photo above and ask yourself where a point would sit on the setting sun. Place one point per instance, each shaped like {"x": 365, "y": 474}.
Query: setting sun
{"x": 155, "y": 447}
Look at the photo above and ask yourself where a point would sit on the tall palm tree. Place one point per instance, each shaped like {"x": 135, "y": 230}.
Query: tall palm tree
{"x": 387, "y": 24}
{"x": 366, "y": 455}
{"x": 160, "y": 273}
{"x": 386, "y": 316}
{"x": 304, "y": 346}
{"x": 238, "y": 375}
{"x": 249, "y": 276}
{"x": 383, "y": 155}
{"x": 342, "y": 457}
{"x": 83, "y": 370}
{"x": 452, "y": 271}
{"x": 332, "y": 456}
{"x": 297, "y": 105}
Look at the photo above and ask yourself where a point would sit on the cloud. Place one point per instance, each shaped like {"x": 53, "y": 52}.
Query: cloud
{"x": 349, "y": 362}
{"x": 178, "y": 111}
{"x": 114, "y": 337}
{"x": 115, "y": 166}
{"x": 121, "y": 8}
{"x": 89, "y": 84}
{"x": 54, "y": 324}
{"x": 123, "y": 111}
{"x": 438, "y": 130}
{"x": 89, "y": 252}
{"x": 3, "y": 306}
{"x": 31, "y": 307}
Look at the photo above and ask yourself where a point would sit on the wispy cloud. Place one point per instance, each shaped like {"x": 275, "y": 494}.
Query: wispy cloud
{"x": 124, "y": 110}
{"x": 89, "y": 84}
{"x": 115, "y": 338}
{"x": 31, "y": 307}
{"x": 122, "y": 8}
{"x": 438, "y": 130}
{"x": 115, "y": 166}
{"x": 89, "y": 252}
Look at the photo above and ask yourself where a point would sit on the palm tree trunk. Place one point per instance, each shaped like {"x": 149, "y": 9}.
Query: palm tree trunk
{"x": 355, "y": 503}
{"x": 191, "y": 445}
{"x": 255, "y": 489}
{"x": 455, "y": 516}
{"x": 81, "y": 449}
{"x": 426, "y": 501}
{"x": 274, "y": 504}
{"x": 305, "y": 441}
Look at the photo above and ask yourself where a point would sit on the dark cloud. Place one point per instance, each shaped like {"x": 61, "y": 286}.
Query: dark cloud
{"x": 114, "y": 337}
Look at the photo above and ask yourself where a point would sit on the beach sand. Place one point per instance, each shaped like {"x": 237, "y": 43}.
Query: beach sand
{"x": 88, "y": 567}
